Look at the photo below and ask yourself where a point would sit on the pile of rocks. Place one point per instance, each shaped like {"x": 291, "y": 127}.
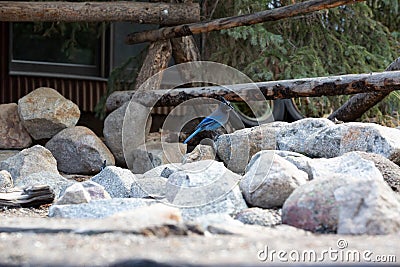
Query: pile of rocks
{"x": 312, "y": 174}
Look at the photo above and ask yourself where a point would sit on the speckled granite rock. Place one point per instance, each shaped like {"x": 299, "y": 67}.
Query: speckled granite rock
{"x": 12, "y": 133}
{"x": 44, "y": 112}
{"x": 78, "y": 150}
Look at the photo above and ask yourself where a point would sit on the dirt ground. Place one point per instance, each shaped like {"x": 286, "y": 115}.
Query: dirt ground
{"x": 25, "y": 241}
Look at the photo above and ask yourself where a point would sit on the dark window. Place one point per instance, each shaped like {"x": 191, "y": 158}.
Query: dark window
{"x": 61, "y": 50}
{"x": 81, "y": 50}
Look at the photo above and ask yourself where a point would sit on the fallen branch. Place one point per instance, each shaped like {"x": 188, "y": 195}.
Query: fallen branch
{"x": 27, "y": 197}
{"x": 231, "y": 22}
{"x": 138, "y": 12}
{"x": 309, "y": 87}
{"x": 358, "y": 104}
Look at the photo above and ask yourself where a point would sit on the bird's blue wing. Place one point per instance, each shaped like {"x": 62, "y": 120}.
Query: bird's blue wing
{"x": 192, "y": 135}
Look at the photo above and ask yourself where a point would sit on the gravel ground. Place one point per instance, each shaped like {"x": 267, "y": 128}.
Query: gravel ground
{"x": 20, "y": 247}
{"x": 39, "y": 212}
{"x": 31, "y": 249}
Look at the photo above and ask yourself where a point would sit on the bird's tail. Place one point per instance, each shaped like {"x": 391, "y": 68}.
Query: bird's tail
{"x": 192, "y": 135}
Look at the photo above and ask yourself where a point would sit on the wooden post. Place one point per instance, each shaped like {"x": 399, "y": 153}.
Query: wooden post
{"x": 157, "y": 59}
{"x": 137, "y": 12}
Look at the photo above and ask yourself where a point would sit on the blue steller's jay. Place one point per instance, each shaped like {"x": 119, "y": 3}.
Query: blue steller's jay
{"x": 215, "y": 120}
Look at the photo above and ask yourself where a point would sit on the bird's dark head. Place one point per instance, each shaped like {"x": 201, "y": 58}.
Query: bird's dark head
{"x": 226, "y": 103}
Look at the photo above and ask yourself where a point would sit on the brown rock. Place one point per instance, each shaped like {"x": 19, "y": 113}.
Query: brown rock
{"x": 12, "y": 132}
{"x": 44, "y": 112}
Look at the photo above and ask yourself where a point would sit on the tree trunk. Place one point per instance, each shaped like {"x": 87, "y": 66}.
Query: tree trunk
{"x": 231, "y": 22}
{"x": 357, "y": 105}
{"x": 137, "y": 12}
{"x": 184, "y": 49}
{"x": 27, "y": 197}
{"x": 310, "y": 87}
{"x": 157, "y": 59}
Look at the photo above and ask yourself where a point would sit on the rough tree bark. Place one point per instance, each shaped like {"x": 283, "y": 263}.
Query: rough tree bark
{"x": 311, "y": 87}
{"x": 231, "y": 22}
{"x": 157, "y": 59}
{"x": 184, "y": 49}
{"x": 138, "y": 12}
{"x": 358, "y": 104}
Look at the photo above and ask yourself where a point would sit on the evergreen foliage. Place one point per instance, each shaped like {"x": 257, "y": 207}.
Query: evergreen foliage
{"x": 358, "y": 38}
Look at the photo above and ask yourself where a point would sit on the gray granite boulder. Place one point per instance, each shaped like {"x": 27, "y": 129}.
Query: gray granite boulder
{"x": 354, "y": 136}
{"x": 74, "y": 194}
{"x": 204, "y": 187}
{"x": 83, "y": 192}
{"x": 78, "y": 150}
{"x": 56, "y": 182}
{"x": 349, "y": 164}
{"x": 200, "y": 152}
{"x": 292, "y": 137}
{"x": 237, "y": 148}
{"x": 270, "y": 179}
{"x": 44, "y": 112}
{"x": 149, "y": 187}
{"x": 367, "y": 207}
{"x": 95, "y": 190}
{"x": 98, "y": 208}
{"x": 5, "y": 179}
{"x": 12, "y": 133}
{"x": 315, "y": 206}
{"x": 258, "y": 216}
{"x": 116, "y": 181}
{"x": 153, "y": 154}
{"x": 299, "y": 160}
{"x": 389, "y": 170}
{"x": 28, "y": 161}
{"x": 112, "y": 132}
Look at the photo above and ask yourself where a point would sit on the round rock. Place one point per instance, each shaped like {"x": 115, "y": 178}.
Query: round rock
{"x": 78, "y": 150}
{"x": 44, "y": 112}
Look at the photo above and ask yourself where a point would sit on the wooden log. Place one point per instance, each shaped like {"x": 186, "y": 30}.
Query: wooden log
{"x": 309, "y": 87}
{"x": 231, "y": 22}
{"x": 358, "y": 104}
{"x": 157, "y": 59}
{"x": 137, "y": 12}
{"x": 27, "y": 197}
{"x": 184, "y": 49}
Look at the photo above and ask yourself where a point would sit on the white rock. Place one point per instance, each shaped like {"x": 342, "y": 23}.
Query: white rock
{"x": 5, "y": 179}
{"x": 116, "y": 181}
{"x": 28, "y": 161}
{"x": 270, "y": 179}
